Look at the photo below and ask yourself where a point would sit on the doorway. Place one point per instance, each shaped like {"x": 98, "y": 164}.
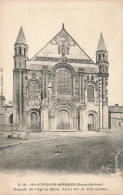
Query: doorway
{"x": 90, "y": 122}
{"x": 63, "y": 120}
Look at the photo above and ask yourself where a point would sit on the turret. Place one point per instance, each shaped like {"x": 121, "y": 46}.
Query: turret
{"x": 102, "y": 56}
{"x": 21, "y": 51}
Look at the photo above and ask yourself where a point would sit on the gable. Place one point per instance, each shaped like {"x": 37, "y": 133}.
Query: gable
{"x": 62, "y": 45}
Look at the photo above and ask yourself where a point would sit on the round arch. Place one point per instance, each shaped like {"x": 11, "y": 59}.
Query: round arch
{"x": 67, "y": 106}
{"x": 33, "y": 80}
{"x": 92, "y": 83}
{"x": 11, "y": 118}
{"x": 92, "y": 120}
{"x": 63, "y": 65}
{"x": 94, "y": 93}
{"x": 33, "y": 119}
{"x": 66, "y": 67}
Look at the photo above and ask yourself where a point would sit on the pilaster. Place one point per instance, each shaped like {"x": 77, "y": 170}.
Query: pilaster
{"x": 44, "y": 116}
{"x": 83, "y": 118}
{"x": 100, "y": 102}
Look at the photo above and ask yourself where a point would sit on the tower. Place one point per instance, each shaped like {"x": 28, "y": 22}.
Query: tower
{"x": 19, "y": 82}
{"x": 21, "y": 51}
{"x": 102, "y": 62}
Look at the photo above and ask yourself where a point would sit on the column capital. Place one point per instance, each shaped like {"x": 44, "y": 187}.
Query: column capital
{"x": 44, "y": 105}
{"x": 83, "y": 107}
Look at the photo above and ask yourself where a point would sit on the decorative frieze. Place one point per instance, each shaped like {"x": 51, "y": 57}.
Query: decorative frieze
{"x": 67, "y": 60}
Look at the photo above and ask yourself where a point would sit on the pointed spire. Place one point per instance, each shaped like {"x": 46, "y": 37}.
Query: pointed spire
{"x": 21, "y": 37}
{"x": 63, "y": 26}
{"x": 101, "y": 44}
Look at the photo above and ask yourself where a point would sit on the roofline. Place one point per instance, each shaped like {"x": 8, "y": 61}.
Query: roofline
{"x": 79, "y": 46}
{"x": 102, "y": 50}
{"x": 71, "y": 38}
{"x": 45, "y": 45}
{"x": 20, "y": 44}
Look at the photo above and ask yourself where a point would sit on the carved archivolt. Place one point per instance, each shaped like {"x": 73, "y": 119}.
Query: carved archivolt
{"x": 63, "y": 65}
{"x": 92, "y": 83}
{"x": 92, "y": 112}
{"x": 63, "y": 105}
{"x": 32, "y": 80}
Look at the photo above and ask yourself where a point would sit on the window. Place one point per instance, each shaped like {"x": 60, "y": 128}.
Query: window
{"x": 119, "y": 124}
{"x": 92, "y": 77}
{"x": 87, "y": 77}
{"x": 19, "y": 51}
{"x": 24, "y": 51}
{"x": 64, "y": 80}
{"x": 99, "y": 57}
{"x": 33, "y": 91}
{"x": 90, "y": 93}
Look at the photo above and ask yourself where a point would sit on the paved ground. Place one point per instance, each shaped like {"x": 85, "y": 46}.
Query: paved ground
{"x": 91, "y": 152}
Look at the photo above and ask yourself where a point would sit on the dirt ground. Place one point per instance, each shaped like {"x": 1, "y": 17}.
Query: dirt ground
{"x": 66, "y": 152}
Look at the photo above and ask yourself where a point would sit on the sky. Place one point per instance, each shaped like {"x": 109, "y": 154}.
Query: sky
{"x": 83, "y": 20}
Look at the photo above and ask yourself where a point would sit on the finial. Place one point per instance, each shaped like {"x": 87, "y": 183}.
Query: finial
{"x": 63, "y": 26}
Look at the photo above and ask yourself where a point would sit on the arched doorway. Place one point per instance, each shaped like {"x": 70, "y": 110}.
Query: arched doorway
{"x": 34, "y": 120}
{"x": 63, "y": 120}
{"x": 11, "y": 119}
{"x": 90, "y": 122}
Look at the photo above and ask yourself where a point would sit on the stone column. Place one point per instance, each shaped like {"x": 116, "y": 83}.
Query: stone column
{"x": 41, "y": 118}
{"x": 106, "y": 83}
{"x": 20, "y": 101}
{"x": 103, "y": 104}
{"x": 100, "y": 102}
{"x": 51, "y": 123}
{"x": 83, "y": 118}
{"x": 24, "y": 101}
{"x": 44, "y": 117}
{"x": 15, "y": 98}
{"x": 81, "y": 86}
{"x": 53, "y": 85}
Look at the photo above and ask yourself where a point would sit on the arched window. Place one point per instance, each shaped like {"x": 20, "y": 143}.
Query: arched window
{"x": 33, "y": 91}
{"x": 15, "y": 51}
{"x": 63, "y": 82}
{"x": 99, "y": 57}
{"x": 19, "y": 51}
{"x": 24, "y": 51}
{"x": 90, "y": 93}
{"x": 87, "y": 77}
{"x": 11, "y": 119}
{"x": 104, "y": 57}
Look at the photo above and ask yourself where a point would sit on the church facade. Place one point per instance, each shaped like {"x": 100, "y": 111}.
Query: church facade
{"x": 60, "y": 88}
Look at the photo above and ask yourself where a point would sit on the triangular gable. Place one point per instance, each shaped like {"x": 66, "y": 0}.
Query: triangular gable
{"x": 61, "y": 44}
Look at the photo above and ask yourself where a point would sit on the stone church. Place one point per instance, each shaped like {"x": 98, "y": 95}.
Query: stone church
{"x": 61, "y": 88}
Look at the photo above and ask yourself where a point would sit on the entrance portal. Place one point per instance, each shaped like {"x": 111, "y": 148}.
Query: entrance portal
{"x": 34, "y": 120}
{"x": 63, "y": 120}
{"x": 90, "y": 122}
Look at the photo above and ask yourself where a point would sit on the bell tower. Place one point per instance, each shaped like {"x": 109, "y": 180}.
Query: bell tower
{"x": 102, "y": 56}
{"x": 19, "y": 81}
{"x": 21, "y": 51}
{"x": 102, "y": 62}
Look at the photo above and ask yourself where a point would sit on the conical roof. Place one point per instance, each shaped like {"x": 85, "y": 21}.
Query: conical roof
{"x": 21, "y": 37}
{"x": 101, "y": 44}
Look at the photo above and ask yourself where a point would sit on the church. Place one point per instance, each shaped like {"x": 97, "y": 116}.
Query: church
{"x": 61, "y": 88}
